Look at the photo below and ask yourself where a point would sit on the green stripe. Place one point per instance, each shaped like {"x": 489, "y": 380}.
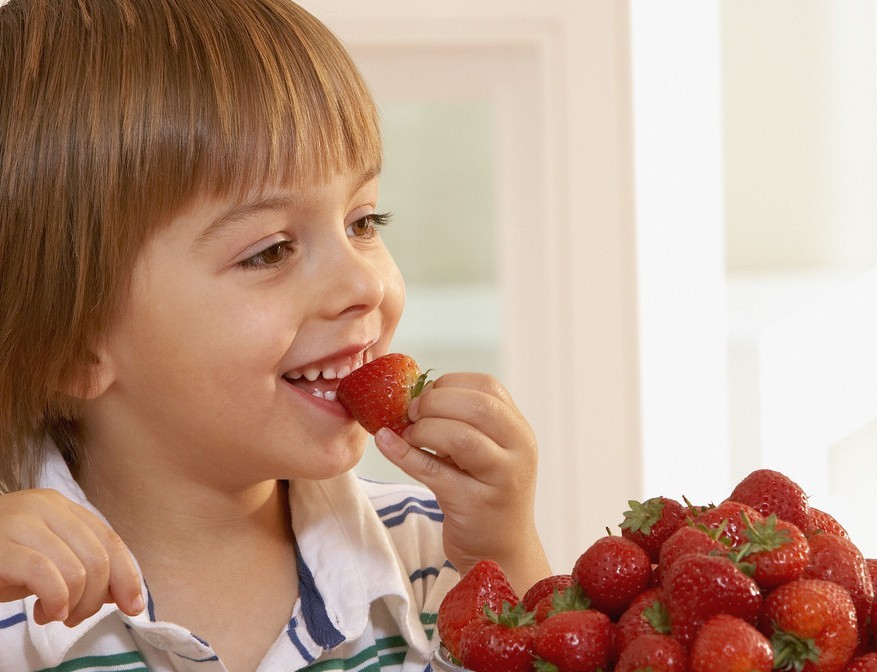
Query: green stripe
{"x": 349, "y": 663}
{"x": 396, "y": 658}
{"x": 114, "y": 660}
{"x": 391, "y": 642}
{"x": 428, "y": 619}
{"x": 387, "y": 651}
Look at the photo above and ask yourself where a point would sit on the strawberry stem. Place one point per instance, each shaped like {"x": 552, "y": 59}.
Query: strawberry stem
{"x": 658, "y": 617}
{"x": 421, "y": 382}
{"x": 791, "y": 652}
{"x": 570, "y": 599}
{"x": 642, "y": 516}
{"x": 510, "y": 616}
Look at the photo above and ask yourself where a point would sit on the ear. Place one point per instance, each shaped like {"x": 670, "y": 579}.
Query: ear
{"x": 91, "y": 378}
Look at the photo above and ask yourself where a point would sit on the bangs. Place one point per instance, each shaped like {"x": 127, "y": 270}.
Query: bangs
{"x": 274, "y": 99}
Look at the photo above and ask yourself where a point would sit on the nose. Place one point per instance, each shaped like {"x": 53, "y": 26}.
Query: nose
{"x": 356, "y": 281}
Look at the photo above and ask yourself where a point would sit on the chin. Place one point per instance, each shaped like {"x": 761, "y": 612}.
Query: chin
{"x": 338, "y": 459}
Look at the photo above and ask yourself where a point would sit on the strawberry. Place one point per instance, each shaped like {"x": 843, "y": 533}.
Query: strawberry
{"x": 377, "y": 394}
{"x": 651, "y": 522}
{"x": 646, "y": 615}
{"x": 777, "y": 550}
{"x": 483, "y": 585}
{"x": 811, "y": 624}
{"x": 685, "y": 541}
{"x": 574, "y": 641}
{"x": 548, "y": 586}
{"x": 768, "y": 491}
{"x": 612, "y": 571}
{"x": 728, "y": 519}
{"x": 864, "y": 663}
{"x": 572, "y": 598}
{"x": 837, "y": 559}
{"x": 820, "y": 521}
{"x": 499, "y": 641}
{"x": 658, "y": 653}
{"x": 697, "y": 587}
{"x": 870, "y": 637}
{"x": 729, "y": 644}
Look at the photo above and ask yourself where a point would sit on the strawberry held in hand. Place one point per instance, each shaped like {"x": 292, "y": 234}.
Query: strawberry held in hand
{"x": 378, "y": 393}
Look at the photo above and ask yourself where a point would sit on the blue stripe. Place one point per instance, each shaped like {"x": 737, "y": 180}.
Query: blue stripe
{"x": 398, "y": 506}
{"x": 423, "y": 573}
{"x": 212, "y": 659}
{"x": 150, "y": 605}
{"x": 313, "y": 608}
{"x": 437, "y": 516}
{"x": 13, "y": 620}
{"x": 294, "y": 638}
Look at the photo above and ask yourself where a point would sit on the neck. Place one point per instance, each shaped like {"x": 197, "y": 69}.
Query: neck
{"x": 191, "y": 536}
{"x": 166, "y": 518}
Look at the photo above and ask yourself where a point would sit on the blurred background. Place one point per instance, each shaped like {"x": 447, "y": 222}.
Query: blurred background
{"x": 654, "y": 222}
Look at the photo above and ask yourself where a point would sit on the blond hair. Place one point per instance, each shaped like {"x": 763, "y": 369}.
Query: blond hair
{"x": 114, "y": 114}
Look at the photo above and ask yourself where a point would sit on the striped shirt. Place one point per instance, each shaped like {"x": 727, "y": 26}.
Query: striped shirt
{"x": 372, "y": 574}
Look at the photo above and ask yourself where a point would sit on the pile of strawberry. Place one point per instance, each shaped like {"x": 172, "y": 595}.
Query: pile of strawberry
{"x": 761, "y": 581}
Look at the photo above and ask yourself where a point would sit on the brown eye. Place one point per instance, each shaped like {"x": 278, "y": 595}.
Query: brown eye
{"x": 269, "y": 257}
{"x": 274, "y": 254}
{"x": 367, "y": 226}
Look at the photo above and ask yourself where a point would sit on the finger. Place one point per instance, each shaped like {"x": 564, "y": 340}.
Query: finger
{"x": 28, "y": 572}
{"x": 477, "y": 382}
{"x": 52, "y": 553}
{"x": 119, "y": 579}
{"x": 465, "y": 446}
{"x": 89, "y": 585}
{"x": 435, "y": 472}
{"x": 490, "y": 415}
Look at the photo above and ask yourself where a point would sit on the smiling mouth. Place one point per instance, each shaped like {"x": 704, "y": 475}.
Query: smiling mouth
{"x": 321, "y": 380}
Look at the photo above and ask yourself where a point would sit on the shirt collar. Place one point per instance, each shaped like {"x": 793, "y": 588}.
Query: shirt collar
{"x": 350, "y": 555}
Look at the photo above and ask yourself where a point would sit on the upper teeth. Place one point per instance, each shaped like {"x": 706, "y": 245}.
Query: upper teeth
{"x": 337, "y": 369}
{"x": 312, "y": 373}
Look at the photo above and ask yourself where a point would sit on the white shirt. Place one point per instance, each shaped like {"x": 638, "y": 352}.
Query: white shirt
{"x": 372, "y": 574}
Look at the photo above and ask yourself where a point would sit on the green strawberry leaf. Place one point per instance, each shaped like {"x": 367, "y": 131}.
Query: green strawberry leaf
{"x": 642, "y": 516}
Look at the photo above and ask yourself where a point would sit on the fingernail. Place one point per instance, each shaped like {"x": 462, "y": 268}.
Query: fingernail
{"x": 137, "y": 604}
{"x": 383, "y": 437}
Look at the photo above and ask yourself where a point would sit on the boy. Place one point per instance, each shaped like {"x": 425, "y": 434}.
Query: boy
{"x": 189, "y": 260}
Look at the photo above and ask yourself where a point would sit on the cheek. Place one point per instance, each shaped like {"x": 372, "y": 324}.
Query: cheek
{"x": 175, "y": 332}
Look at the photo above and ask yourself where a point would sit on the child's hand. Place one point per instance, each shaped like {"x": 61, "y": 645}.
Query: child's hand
{"x": 59, "y": 551}
{"x": 483, "y": 472}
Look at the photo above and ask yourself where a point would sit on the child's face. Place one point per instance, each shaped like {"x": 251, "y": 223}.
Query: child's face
{"x": 226, "y": 309}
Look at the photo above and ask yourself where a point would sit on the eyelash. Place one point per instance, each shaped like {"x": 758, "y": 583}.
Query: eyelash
{"x": 285, "y": 247}
{"x": 372, "y": 221}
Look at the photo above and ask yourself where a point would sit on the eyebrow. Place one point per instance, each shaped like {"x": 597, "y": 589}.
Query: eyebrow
{"x": 250, "y": 208}
{"x": 244, "y": 211}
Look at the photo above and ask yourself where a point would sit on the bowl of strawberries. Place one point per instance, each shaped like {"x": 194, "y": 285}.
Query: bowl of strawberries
{"x": 761, "y": 581}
